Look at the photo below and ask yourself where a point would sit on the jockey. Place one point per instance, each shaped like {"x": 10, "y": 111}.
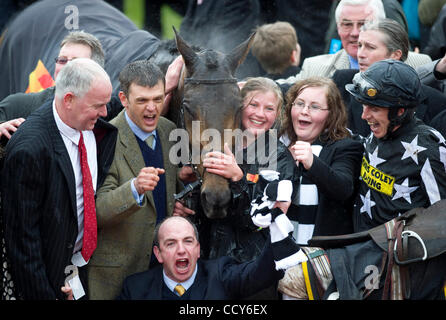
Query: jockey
{"x": 404, "y": 162}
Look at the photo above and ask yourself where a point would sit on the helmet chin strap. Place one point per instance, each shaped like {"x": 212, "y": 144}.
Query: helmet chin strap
{"x": 397, "y": 120}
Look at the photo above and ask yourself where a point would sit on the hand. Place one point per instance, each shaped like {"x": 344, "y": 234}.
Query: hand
{"x": 223, "y": 164}
{"x": 68, "y": 292}
{"x": 302, "y": 153}
{"x": 173, "y": 74}
{"x": 9, "y": 127}
{"x": 147, "y": 179}
{"x": 282, "y": 205}
{"x": 181, "y": 210}
{"x": 187, "y": 174}
{"x": 441, "y": 65}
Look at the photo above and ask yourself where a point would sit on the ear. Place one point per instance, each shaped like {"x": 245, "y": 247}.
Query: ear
{"x": 396, "y": 55}
{"x": 239, "y": 53}
{"x": 188, "y": 54}
{"x": 400, "y": 111}
{"x": 295, "y": 56}
{"x": 157, "y": 253}
{"x": 123, "y": 99}
{"x": 68, "y": 99}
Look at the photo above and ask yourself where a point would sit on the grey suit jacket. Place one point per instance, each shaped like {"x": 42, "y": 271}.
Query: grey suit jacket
{"x": 325, "y": 65}
{"x": 427, "y": 76}
{"x": 125, "y": 229}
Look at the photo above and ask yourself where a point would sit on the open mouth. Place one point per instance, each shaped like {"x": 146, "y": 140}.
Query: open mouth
{"x": 150, "y": 119}
{"x": 373, "y": 125}
{"x": 304, "y": 123}
{"x": 182, "y": 264}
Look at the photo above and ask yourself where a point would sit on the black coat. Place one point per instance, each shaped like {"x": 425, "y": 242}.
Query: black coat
{"x": 218, "y": 279}
{"x": 335, "y": 173}
{"x": 39, "y": 202}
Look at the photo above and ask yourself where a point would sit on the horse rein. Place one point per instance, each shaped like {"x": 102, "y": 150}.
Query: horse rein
{"x": 197, "y": 184}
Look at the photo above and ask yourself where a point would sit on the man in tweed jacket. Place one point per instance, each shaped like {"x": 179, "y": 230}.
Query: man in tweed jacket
{"x": 138, "y": 191}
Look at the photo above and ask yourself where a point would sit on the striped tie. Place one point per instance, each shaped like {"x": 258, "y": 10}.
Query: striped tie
{"x": 180, "y": 289}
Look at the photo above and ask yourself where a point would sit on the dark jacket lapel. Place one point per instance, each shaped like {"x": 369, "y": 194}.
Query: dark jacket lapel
{"x": 61, "y": 154}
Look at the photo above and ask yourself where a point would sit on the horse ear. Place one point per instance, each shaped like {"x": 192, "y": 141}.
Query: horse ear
{"x": 186, "y": 51}
{"x": 239, "y": 53}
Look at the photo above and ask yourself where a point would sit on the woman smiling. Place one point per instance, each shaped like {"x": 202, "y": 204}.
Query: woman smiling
{"x": 327, "y": 159}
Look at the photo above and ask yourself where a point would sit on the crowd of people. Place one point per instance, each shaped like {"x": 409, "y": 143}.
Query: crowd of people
{"x": 87, "y": 184}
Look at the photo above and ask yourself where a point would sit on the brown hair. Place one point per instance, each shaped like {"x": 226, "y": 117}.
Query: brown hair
{"x": 273, "y": 45}
{"x": 336, "y": 123}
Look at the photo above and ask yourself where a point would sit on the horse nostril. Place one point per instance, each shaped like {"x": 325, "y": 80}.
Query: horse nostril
{"x": 220, "y": 198}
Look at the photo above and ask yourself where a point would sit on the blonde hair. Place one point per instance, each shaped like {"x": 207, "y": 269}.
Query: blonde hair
{"x": 264, "y": 85}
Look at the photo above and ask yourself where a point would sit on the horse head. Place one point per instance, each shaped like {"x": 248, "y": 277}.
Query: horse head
{"x": 211, "y": 103}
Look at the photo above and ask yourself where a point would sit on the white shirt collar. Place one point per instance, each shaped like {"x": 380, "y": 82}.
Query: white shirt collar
{"x": 137, "y": 130}
{"x": 186, "y": 284}
{"x": 67, "y": 131}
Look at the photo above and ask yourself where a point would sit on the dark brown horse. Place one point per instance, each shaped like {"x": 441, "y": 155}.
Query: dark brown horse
{"x": 206, "y": 102}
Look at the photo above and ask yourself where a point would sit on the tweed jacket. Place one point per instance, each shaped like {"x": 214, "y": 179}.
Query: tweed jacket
{"x": 125, "y": 229}
{"x": 325, "y": 65}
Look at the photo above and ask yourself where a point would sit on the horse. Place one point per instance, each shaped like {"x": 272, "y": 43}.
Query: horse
{"x": 207, "y": 100}
{"x": 404, "y": 258}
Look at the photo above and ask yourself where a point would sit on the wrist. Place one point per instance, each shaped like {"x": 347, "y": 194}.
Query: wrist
{"x": 237, "y": 176}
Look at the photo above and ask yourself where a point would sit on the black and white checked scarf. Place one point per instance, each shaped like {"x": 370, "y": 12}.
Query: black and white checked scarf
{"x": 286, "y": 252}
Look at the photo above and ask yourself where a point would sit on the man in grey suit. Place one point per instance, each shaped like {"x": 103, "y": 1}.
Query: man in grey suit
{"x": 351, "y": 15}
{"x": 138, "y": 191}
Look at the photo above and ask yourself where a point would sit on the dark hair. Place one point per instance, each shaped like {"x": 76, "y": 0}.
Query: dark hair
{"x": 395, "y": 37}
{"x": 141, "y": 72}
{"x": 336, "y": 123}
{"x": 158, "y": 226}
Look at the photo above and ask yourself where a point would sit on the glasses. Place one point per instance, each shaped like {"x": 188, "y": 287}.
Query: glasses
{"x": 62, "y": 60}
{"x": 312, "y": 108}
{"x": 347, "y": 26}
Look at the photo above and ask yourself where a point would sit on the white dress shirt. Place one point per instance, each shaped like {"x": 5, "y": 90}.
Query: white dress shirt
{"x": 70, "y": 138}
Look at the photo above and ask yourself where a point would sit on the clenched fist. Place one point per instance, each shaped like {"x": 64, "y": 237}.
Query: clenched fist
{"x": 147, "y": 179}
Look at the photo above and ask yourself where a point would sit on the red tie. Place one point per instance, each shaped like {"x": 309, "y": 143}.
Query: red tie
{"x": 90, "y": 226}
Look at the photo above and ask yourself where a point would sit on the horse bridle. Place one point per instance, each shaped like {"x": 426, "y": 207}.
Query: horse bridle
{"x": 190, "y": 187}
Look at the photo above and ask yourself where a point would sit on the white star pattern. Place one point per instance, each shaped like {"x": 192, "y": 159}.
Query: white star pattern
{"x": 374, "y": 159}
{"x": 368, "y": 204}
{"x": 403, "y": 190}
{"x": 412, "y": 149}
{"x": 438, "y": 135}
